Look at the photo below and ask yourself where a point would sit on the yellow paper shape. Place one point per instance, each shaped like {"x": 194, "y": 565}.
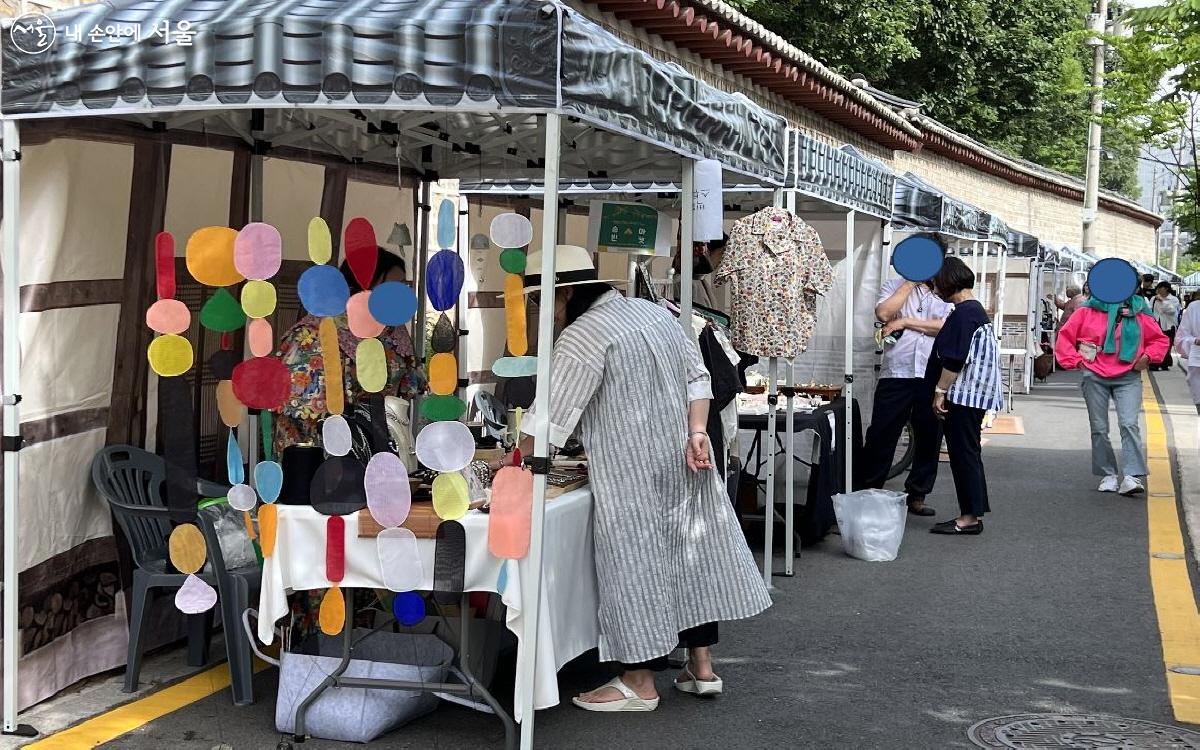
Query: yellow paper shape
{"x": 514, "y": 315}
{"x": 228, "y": 405}
{"x": 451, "y": 499}
{"x": 370, "y": 365}
{"x": 170, "y": 355}
{"x": 443, "y": 374}
{"x": 187, "y": 548}
{"x": 332, "y": 616}
{"x": 268, "y": 520}
{"x": 320, "y": 243}
{"x": 210, "y": 256}
{"x": 258, "y": 299}
{"x": 331, "y": 355}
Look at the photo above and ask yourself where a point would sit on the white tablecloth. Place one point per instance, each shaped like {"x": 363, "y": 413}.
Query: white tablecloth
{"x": 567, "y": 626}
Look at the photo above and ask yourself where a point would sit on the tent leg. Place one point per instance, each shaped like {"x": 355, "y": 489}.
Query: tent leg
{"x": 789, "y": 491}
{"x": 769, "y": 503}
{"x": 848, "y": 361}
{"x": 531, "y": 571}
{"x": 421, "y": 257}
{"x": 12, "y": 421}
{"x": 687, "y": 232}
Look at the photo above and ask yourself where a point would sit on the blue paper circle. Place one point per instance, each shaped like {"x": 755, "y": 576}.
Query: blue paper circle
{"x": 268, "y": 480}
{"x": 1113, "y": 280}
{"x": 447, "y": 223}
{"x": 392, "y": 303}
{"x": 918, "y": 258}
{"x": 324, "y": 291}
{"x": 409, "y": 608}
{"x": 444, "y": 280}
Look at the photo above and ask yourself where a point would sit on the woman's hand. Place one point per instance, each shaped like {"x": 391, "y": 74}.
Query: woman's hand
{"x": 893, "y": 326}
{"x": 698, "y": 452}
{"x": 939, "y": 405}
{"x": 1142, "y": 363}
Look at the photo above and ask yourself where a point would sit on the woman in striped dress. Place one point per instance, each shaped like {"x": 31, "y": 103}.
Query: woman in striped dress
{"x": 965, "y": 366}
{"x": 671, "y": 560}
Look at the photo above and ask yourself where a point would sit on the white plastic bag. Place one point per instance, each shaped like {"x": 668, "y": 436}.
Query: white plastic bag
{"x": 871, "y": 523}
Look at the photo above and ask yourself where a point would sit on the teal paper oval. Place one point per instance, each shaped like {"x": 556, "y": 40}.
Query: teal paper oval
{"x": 446, "y": 224}
{"x": 515, "y": 367}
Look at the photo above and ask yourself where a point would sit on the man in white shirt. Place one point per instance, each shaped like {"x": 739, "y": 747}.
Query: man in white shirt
{"x": 913, "y": 314}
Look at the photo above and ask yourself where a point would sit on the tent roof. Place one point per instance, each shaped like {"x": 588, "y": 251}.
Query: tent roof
{"x": 479, "y": 72}
{"x": 1022, "y": 244}
{"x": 919, "y": 205}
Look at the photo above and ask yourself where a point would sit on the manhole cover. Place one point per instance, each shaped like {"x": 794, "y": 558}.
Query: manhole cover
{"x": 1036, "y": 731}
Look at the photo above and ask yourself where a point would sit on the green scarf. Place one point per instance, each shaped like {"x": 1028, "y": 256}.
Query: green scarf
{"x": 1131, "y": 329}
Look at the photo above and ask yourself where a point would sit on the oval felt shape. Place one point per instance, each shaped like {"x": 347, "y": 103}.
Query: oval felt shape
{"x": 400, "y": 560}
{"x": 268, "y": 521}
{"x": 443, "y": 374}
{"x": 447, "y": 223}
{"x": 358, "y": 315}
{"x": 260, "y": 337}
{"x": 235, "y": 467}
{"x": 445, "y": 446}
{"x": 443, "y": 408}
{"x": 320, "y": 241}
{"x": 392, "y": 303}
{"x": 335, "y": 435}
{"x": 511, "y": 231}
{"x": 335, "y": 548}
{"x": 164, "y": 265}
{"x": 331, "y": 355}
{"x": 444, "y": 279}
{"x": 258, "y": 251}
{"x": 513, "y": 260}
{"x": 222, "y": 362}
{"x": 510, "y": 513}
{"x": 370, "y": 365}
{"x": 232, "y": 411}
{"x": 514, "y": 315}
{"x": 449, "y": 562}
{"x": 323, "y": 291}
{"x": 443, "y": 338}
{"x": 195, "y": 596}
{"x": 362, "y": 253}
{"x": 337, "y": 486}
{"x": 268, "y": 480}
{"x": 168, "y": 316}
{"x": 451, "y": 499}
{"x": 187, "y": 548}
{"x": 261, "y": 383}
{"x": 515, "y": 367}
{"x": 332, "y": 615}
{"x": 242, "y": 497}
{"x": 389, "y": 495}
{"x": 222, "y": 313}
{"x": 258, "y": 299}
{"x": 209, "y": 256}
{"x": 408, "y": 607}
{"x": 170, "y": 355}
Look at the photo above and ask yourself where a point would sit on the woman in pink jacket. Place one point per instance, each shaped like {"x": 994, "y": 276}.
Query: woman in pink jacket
{"x": 1114, "y": 343}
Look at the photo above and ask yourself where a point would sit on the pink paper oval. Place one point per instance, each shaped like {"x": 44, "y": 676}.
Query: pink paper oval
{"x": 168, "y": 316}
{"x": 260, "y": 336}
{"x": 258, "y": 251}
{"x": 510, "y": 514}
{"x": 389, "y": 495}
{"x": 358, "y": 315}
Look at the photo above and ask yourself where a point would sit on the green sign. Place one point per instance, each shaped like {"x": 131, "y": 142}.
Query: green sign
{"x": 626, "y": 227}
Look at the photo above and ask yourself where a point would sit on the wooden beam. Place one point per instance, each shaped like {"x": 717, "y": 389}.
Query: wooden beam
{"x": 239, "y": 188}
{"x": 333, "y": 204}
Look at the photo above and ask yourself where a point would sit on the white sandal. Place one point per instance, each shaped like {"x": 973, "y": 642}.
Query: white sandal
{"x": 699, "y": 687}
{"x": 631, "y": 702}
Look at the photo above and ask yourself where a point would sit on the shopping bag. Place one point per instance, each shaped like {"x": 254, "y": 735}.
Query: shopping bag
{"x": 871, "y": 523}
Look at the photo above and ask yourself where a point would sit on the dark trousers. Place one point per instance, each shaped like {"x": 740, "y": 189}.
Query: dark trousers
{"x": 963, "y": 428}
{"x": 897, "y": 401}
{"x": 1168, "y": 360}
{"x": 697, "y": 637}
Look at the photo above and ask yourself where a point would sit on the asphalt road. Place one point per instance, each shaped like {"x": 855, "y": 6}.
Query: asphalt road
{"x": 1049, "y": 610}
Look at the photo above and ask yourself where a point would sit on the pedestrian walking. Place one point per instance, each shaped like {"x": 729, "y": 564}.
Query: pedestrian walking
{"x": 1114, "y": 343}
{"x": 1187, "y": 343}
{"x": 1075, "y": 297}
{"x": 1166, "y": 308}
{"x": 964, "y": 370}
{"x": 912, "y": 315}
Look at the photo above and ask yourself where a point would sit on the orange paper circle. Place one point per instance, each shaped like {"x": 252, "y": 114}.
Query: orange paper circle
{"x": 230, "y": 408}
{"x": 258, "y": 299}
{"x": 260, "y": 337}
{"x": 187, "y": 548}
{"x": 443, "y": 374}
{"x": 168, "y": 316}
{"x": 170, "y": 355}
{"x": 210, "y": 256}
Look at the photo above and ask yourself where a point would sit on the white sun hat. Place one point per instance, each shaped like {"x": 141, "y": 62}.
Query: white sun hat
{"x": 572, "y": 266}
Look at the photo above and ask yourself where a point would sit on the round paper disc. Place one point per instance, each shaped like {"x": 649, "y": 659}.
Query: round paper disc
{"x": 400, "y": 560}
{"x": 320, "y": 241}
{"x": 187, "y": 548}
{"x": 209, "y": 256}
{"x": 258, "y": 299}
{"x": 444, "y": 279}
{"x": 358, "y": 316}
{"x": 170, "y": 356}
{"x": 260, "y": 337}
{"x": 242, "y": 497}
{"x": 513, "y": 260}
{"x": 261, "y": 383}
{"x": 445, "y": 446}
{"x": 409, "y": 608}
{"x": 443, "y": 408}
{"x": 335, "y": 435}
{"x": 511, "y": 231}
{"x": 258, "y": 251}
{"x": 451, "y": 499}
{"x": 1113, "y": 280}
{"x": 392, "y": 303}
{"x": 195, "y": 596}
{"x": 168, "y": 316}
{"x": 370, "y": 365}
{"x": 323, "y": 291}
{"x": 389, "y": 495}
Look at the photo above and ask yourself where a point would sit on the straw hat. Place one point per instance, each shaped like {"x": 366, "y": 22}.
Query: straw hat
{"x": 572, "y": 266}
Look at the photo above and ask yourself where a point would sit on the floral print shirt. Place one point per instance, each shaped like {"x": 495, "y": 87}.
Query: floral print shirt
{"x": 299, "y": 421}
{"x": 775, "y": 266}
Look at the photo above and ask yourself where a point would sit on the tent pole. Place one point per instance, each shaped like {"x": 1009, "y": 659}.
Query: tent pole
{"x": 769, "y": 504}
{"x": 789, "y": 482}
{"x": 421, "y": 217}
{"x": 12, "y": 420}
{"x": 531, "y": 571}
{"x": 687, "y": 232}
{"x": 975, "y": 258}
{"x": 848, "y": 392}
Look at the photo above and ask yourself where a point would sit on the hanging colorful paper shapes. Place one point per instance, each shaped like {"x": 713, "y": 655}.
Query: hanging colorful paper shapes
{"x": 261, "y": 382}
{"x": 242, "y": 497}
{"x": 513, "y": 232}
{"x": 260, "y": 337}
{"x": 362, "y": 253}
{"x": 370, "y": 365}
{"x": 331, "y": 355}
{"x": 444, "y": 279}
{"x": 337, "y": 487}
{"x": 447, "y": 223}
{"x": 332, "y": 615}
{"x": 510, "y": 231}
{"x": 320, "y": 241}
{"x": 187, "y": 551}
{"x": 449, "y": 562}
{"x": 231, "y": 410}
{"x": 443, "y": 408}
{"x": 359, "y": 318}
{"x": 222, "y": 313}
{"x": 443, "y": 374}
{"x": 408, "y": 608}
{"x": 515, "y": 367}
{"x": 389, "y": 494}
{"x": 514, "y": 315}
{"x": 400, "y": 560}
{"x": 258, "y": 299}
{"x": 392, "y": 303}
{"x": 510, "y": 513}
{"x": 234, "y": 467}
{"x": 209, "y": 256}
{"x": 258, "y": 251}
{"x": 445, "y": 446}
{"x": 268, "y": 524}
{"x": 268, "y": 480}
{"x": 335, "y": 435}
{"x": 323, "y": 291}
{"x": 451, "y": 498}
{"x": 168, "y": 316}
{"x": 222, "y": 363}
{"x": 169, "y": 354}
{"x": 164, "y": 265}
{"x": 444, "y": 338}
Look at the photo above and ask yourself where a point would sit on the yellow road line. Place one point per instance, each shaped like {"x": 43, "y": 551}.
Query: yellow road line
{"x": 1178, "y": 620}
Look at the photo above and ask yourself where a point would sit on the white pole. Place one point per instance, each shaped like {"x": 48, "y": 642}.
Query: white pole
{"x": 789, "y": 492}
{"x": 984, "y": 296}
{"x": 1002, "y": 273}
{"x": 12, "y": 419}
{"x": 421, "y": 258}
{"x": 848, "y": 392}
{"x": 687, "y": 231}
{"x": 531, "y": 570}
{"x": 975, "y": 258}
{"x": 769, "y": 505}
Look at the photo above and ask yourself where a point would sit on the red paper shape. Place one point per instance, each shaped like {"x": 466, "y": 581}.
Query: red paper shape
{"x": 335, "y": 549}
{"x": 164, "y": 265}
{"x": 517, "y": 457}
{"x": 362, "y": 251}
{"x": 261, "y": 383}
{"x": 226, "y": 342}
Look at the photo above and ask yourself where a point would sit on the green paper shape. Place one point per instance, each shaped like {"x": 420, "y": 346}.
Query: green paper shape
{"x": 265, "y": 421}
{"x": 443, "y": 338}
{"x": 513, "y": 260}
{"x": 222, "y": 313}
{"x": 443, "y": 408}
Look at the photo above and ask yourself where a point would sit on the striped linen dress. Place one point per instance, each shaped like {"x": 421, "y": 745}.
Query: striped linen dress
{"x": 669, "y": 552}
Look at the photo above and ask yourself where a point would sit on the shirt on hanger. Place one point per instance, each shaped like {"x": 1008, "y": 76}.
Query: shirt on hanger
{"x": 775, "y": 266}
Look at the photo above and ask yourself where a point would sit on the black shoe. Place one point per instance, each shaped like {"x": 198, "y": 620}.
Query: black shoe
{"x": 952, "y": 527}
{"x": 924, "y": 510}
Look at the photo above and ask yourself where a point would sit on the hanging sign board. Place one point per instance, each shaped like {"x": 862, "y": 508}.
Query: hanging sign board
{"x": 709, "y": 221}
{"x": 635, "y": 228}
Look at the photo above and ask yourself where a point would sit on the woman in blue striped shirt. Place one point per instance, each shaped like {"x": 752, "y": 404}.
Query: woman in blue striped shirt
{"x": 965, "y": 366}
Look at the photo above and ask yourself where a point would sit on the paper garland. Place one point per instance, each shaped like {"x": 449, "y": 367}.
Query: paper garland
{"x": 261, "y": 383}
{"x": 514, "y": 315}
{"x": 169, "y": 316}
{"x": 320, "y": 241}
{"x": 335, "y": 435}
{"x": 371, "y": 367}
{"x": 186, "y": 548}
{"x": 164, "y": 265}
{"x": 392, "y": 303}
{"x": 268, "y": 521}
{"x": 445, "y": 275}
{"x": 332, "y": 615}
{"x": 359, "y": 318}
{"x": 444, "y": 338}
{"x": 268, "y": 480}
{"x": 362, "y": 254}
{"x": 323, "y": 291}
{"x": 170, "y": 356}
{"x": 447, "y": 224}
{"x": 331, "y": 355}
{"x": 209, "y": 256}
{"x": 258, "y": 299}
{"x": 389, "y": 494}
{"x": 400, "y": 560}
{"x": 260, "y": 338}
{"x": 511, "y": 512}
{"x": 449, "y": 562}
{"x": 408, "y": 608}
{"x": 445, "y": 446}
{"x": 231, "y": 410}
{"x": 511, "y": 231}
{"x": 443, "y": 374}
{"x": 195, "y": 596}
{"x": 451, "y": 498}
{"x": 258, "y": 251}
{"x": 242, "y": 497}
{"x": 443, "y": 408}
{"x": 515, "y": 367}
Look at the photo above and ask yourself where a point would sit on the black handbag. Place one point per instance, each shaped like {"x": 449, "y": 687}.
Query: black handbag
{"x": 300, "y": 463}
